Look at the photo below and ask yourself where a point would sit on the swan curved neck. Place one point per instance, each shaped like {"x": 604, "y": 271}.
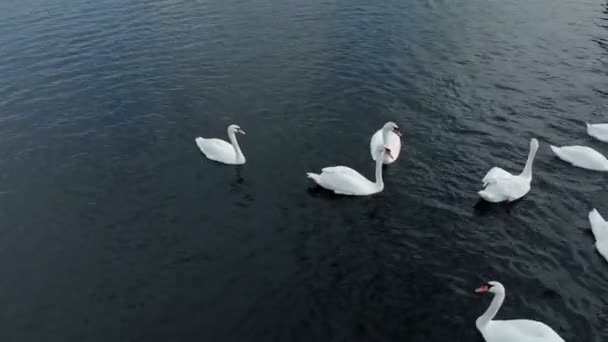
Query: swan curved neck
{"x": 235, "y": 145}
{"x": 527, "y": 171}
{"x": 385, "y": 134}
{"x": 492, "y": 310}
{"x": 379, "y": 181}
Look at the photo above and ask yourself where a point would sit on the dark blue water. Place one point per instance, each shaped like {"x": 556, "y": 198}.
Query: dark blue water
{"x": 115, "y": 228}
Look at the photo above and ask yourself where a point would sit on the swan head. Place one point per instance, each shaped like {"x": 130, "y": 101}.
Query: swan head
{"x": 380, "y": 149}
{"x": 235, "y": 129}
{"x": 491, "y": 286}
{"x": 533, "y": 144}
{"x": 391, "y": 126}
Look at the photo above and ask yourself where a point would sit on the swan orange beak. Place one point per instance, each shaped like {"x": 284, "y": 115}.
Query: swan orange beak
{"x": 241, "y": 131}
{"x": 397, "y": 131}
{"x": 483, "y": 289}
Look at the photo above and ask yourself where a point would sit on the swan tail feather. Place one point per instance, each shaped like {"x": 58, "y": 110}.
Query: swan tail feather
{"x": 200, "y": 142}
{"x": 555, "y": 150}
{"x": 595, "y": 218}
{"x": 313, "y": 176}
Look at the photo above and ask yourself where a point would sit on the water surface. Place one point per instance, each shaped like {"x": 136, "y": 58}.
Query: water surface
{"x": 115, "y": 228}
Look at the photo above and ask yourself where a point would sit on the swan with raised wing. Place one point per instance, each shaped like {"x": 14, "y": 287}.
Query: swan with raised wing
{"x": 221, "y": 151}
{"x": 514, "y": 330}
{"x": 599, "y": 226}
{"x": 598, "y": 131}
{"x": 345, "y": 181}
{"x": 500, "y": 185}
{"x": 582, "y": 156}
{"x": 389, "y": 136}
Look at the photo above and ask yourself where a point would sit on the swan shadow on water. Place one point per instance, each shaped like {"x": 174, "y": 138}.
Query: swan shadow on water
{"x": 320, "y": 192}
{"x": 483, "y": 207}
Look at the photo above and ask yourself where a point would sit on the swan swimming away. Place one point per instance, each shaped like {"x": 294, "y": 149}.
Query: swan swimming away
{"x": 599, "y": 226}
{"x": 389, "y": 136}
{"x": 345, "y": 181}
{"x": 514, "y": 330}
{"x": 581, "y": 156}
{"x": 500, "y": 185}
{"x": 598, "y": 131}
{"x": 222, "y": 151}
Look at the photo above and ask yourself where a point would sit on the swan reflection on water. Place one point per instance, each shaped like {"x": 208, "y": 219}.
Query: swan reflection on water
{"x": 483, "y": 207}
{"x": 240, "y": 187}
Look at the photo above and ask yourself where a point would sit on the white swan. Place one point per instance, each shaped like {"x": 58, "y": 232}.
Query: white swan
{"x": 515, "y": 330}
{"x": 387, "y": 136}
{"x": 598, "y": 131}
{"x": 501, "y": 185}
{"x": 581, "y": 156}
{"x": 345, "y": 181}
{"x": 599, "y": 226}
{"x": 220, "y": 150}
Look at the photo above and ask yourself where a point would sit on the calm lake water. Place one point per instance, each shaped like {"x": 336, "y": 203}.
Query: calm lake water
{"x": 116, "y": 228}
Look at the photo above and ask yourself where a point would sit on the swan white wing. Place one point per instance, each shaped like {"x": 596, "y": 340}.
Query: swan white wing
{"x": 505, "y": 189}
{"x": 520, "y": 330}
{"x": 582, "y": 156}
{"x": 600, "y": 230}
{"x": 494, "y": 174}
{"x": 598, "y": 225}
{"x": 598, "y": 131}
{"x": 216, "y": 149}
{"x": 394, "y": 144}
{"x": 344, "y": 180}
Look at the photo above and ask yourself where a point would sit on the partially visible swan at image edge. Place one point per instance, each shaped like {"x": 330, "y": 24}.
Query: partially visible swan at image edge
{"x": 599, "y": 226}
{"x": 345, "y": 181}
{"x": 598, "y": 131}
{"x": 222, "y": 151}
{"x": 389, "y": 136}
{"x": 513, "y": 330}
{"x": 581, "y": 156}
{"x": 500, "y": 185}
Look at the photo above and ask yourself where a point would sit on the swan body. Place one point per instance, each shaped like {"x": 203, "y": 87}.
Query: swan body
{"x": 598, "y": 131}
{"x": 389, "y": 136}
{"x": 221, "y": 151}
{"x": 599, "y": 226}
{"x": 582, "y": 156}
{"x": 343, "y": 180}
{"x": 500, "y": 185}
{"x": 516, "y": 330}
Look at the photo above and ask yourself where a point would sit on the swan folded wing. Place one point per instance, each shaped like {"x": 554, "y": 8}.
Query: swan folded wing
{"x": 523, "y": 330}
{"x": 598, "y": 127}
{"x": 505, "y": 189}
{"x": 599, "y": 226}
{"x": 215, "y": 148}
{"x": 494, "y": 174}
{"x": 394, "y": 144}
{"x": 344, "y": 180}
{"x": 581, "y": 156}
{"x": 600, "y": 230}
{"x": 599, "y": 131}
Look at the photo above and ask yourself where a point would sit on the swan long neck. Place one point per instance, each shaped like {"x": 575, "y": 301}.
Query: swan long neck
{"x": 379, "y": 159}
{"x": 235, "y": 145}
{"x": 527, "y": 172}
{"x": 385, "y": 133}
{"x": 492, "y": 310}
